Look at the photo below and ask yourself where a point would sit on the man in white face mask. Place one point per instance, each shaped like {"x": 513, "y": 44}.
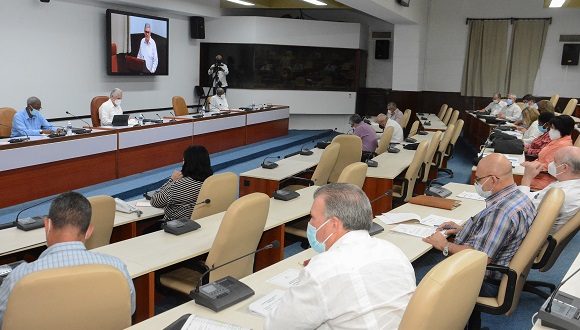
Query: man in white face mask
{"x": 511, "y": 111}
{"x": 499, "y": 229}
{"x": 566, "y": 169}
{"x": 356, "y": 281}
{"x": 111, "y": 107}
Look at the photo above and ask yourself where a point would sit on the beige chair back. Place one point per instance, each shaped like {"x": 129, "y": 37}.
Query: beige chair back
{"x": 430, "y": 154}
{"x": 442, "y": 111}
{"x": 325, "y": 165}
{"x": 95, "y": 105}
{"x": 80, "y": 297}
{"x": 561, "y": 238}
{"x": 405, "y": 119}
{"x": 454, "y": 117}
{"x": 447, "y": 116}
{"x": 528, "y": 250}
{"x": 413, "y": 171}
{"x": 577, "y": 143}
{"x": 350, "y": 152}
{"x": 179, "y": 106}
{"x": 6, "y": 115}
{"x": 444, "y": 288}
{"x": 239, "y": 233}
{"x": 221, "y": 189}
{"x": 570, "y": 107}
{"x": 554, "y": 99}
{"x": 454, "y": 137}
{"x": 385, "y": 140}
{"x": 102, "y": 219}
{"x": 521, "y": 105}
{"x": 440, "y": 153}
{"x": 354, "y": 173}
{"x": 414, "y": 128}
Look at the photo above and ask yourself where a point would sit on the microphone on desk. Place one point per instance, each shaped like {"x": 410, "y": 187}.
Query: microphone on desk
{"x": 185, "y": 225}
{"x": 227, "y": 291}
{"x": 324, "y": 144}
{"x": 30, "y": 223}
{"x": 269, "y": 165}
{"x": 485, "y": 145}
{"x": 19, "y": 139}
{"x": 438, "y": 191}
{"x": 306, "y": 151}
{"x": 386, "y": 193}
{"x": 88, "y": 130}
{"x": 549, "y": 305}
{"x": 562, "y": 318}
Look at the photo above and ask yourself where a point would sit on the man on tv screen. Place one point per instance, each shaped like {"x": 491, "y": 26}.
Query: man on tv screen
{"x": 148, "y": 50}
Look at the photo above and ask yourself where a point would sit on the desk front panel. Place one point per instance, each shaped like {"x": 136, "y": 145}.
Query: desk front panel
{"x": 267, "y": 124}
{"x": 222, "y": 133}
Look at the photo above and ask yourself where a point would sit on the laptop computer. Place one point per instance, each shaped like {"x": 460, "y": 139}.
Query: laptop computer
{"x": 120, "y": 120}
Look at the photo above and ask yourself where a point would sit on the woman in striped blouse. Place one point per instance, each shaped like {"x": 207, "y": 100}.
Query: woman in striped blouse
{"x": 178, "y": 195}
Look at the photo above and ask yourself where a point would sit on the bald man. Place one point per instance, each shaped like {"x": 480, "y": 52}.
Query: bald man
{"x": 499, "y": 229}
{"x": 385, "y": 122}
{"x": 566, "y": 169}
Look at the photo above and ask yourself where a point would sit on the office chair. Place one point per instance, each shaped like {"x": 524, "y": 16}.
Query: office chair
{"x": 405, "y": 119}
{"x": 451, "y": 147}
{"x": 102, "y": 219}
{"x": 179, "y": 106}
{"x": 445, "y": 291}
{"x": 221, "y": 189}
{"x": 429, "y": 161}
{"x": 6, "y": 115}
{"x": 95, "y": 104}
{"x": 80, "y": 297}
{"x": 385, "y": 140}
{"x": 577, "y": 143}
{"x": 440, "y": 153}
{"x": 354, "y": 173}
{"x": 414, "y": 128}
{"x": 554, "y": 99}
{"x": 447, "y": 116}
{"x": 200, "y": 94}
{"x": 321, "y": 173}
{"x": 454, "y": 117}
{"x": 350, "y": 152}
{"x": 403, "y": 187}
{"x": 442, "y": 111}
{"x": 570, "y": 107}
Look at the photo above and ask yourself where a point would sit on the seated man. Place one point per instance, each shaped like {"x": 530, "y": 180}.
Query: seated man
{"x": 29, "y": 121}
{"x": 385, "y": 122}
{"x": 111, "y": 107}
{"x": 495, "y": 106}
{"x": 67, "y": 227}
{"x": 499, "y": 229}
{"x": 534, "y": 146}
{"x": 394, "y": 113}
{"x": 219, "y": 102}
{"x": 356, "y": 281}
{"x": 367, "y": 135}
{"x": 511, "y": 111}
{"x": 566, "y": 169}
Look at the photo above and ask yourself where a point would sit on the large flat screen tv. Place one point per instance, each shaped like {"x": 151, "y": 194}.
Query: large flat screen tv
{"x": 136, "y": 44}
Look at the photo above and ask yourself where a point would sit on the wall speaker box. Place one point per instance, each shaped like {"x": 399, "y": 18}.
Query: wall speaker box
{"x": 382, "y": 49}
{"x": 570, "y": 54}
{"x": 197, "y": 27}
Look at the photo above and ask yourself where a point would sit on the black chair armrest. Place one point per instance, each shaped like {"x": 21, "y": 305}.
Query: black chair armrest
{"x": 200, "y": 267}
{"x": 509, "y": 294}
{"x": 547, "y": 253}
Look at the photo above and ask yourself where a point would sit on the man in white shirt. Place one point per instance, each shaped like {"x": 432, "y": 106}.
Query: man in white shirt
{"x": 565, "y": 168}
{"x": 218, "y": 102}
{"x": 356, "y": 281}
{"x": 394, "y": 113}
{"x": 495, "y": 106}
{"x": 111, "y": 107}
{"x": 148, "y": 50}
{"x": 385, "y": 122}
{"x": 511, "y": 111}
{"x": 217, "y": 73}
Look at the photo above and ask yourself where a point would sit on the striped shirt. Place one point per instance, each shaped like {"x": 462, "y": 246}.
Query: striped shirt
{"x": 177, "y": 198}
{"x": 60, "y": 255}
{"x": 499, "y": 229}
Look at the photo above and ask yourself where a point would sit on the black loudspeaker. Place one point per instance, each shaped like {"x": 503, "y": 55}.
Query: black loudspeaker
{"x": 382, "y": 49}
{"x": 570, "y": 54}
{"x": 197, "y": 27}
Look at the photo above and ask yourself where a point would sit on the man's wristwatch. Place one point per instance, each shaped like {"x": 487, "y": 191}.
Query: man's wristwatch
{"x": 446, "y": 250}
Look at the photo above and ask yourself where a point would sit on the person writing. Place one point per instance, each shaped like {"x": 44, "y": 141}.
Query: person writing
{"x": 111, "y": 107}
{"x": 218, "y": 102}
{"x": 217, "y": 73}
{"x": 179, "y": 194}
{"x": 148, "y": 50}
{"x": 29, "y": 121}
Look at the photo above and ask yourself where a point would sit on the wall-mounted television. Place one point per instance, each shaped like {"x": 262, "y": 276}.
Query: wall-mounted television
{"x": 136, "y": 44}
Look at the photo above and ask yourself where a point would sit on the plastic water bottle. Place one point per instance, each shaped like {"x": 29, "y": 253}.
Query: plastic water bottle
{"x": 140, "y": 119}
{"x": 69, "y": 128}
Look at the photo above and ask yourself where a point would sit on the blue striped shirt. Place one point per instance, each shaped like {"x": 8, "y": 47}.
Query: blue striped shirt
{"x": 500, "y": 228}
{"x": 61, "y": 255}
{"x": 23, "y": 124}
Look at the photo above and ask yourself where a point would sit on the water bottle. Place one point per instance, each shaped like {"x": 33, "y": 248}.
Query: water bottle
{"x": 69, "y": 128}
{"x": 253, "y": 105}
{"x": 140, "y": 119}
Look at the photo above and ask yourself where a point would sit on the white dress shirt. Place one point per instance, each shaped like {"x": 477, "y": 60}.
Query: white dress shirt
{"x": 221, "y": 75}
{"x": 495, "y": 108}
{"x": 531, "y": 133}
{"x": 107, "y": 111}
{"x": 218, "y": 103}
{"x": 512, "y": 112}
{"x": 148, "y": 52}
{"x": 359, "y": 283}
{"x": 398, "y": 136}
{"x": 571, "y": 204}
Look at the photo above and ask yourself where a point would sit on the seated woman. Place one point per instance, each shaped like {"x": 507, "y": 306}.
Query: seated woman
{"x": 533, "y": 131}
{"x": 559, "y": 134}
{"x": 178, "y": 195}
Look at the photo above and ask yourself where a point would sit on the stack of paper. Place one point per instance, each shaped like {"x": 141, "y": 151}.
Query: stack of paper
{"x": 267, "y": 303}
{"x": 143, "y": 204}
{"x": 415, "y": 230}
{"x": 199, "y": 323}
{"x": 392, "y": 218}
{"x": 471, "y": 195}
{"x": 286, "y": 279}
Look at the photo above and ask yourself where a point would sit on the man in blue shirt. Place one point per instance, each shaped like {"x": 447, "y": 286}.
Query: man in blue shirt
{"x": 67, "y": 227}
{"x": 29, "y": 121}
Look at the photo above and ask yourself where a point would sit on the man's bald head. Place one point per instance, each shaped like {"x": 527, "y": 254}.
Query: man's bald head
{"x": 494, "y": 164}
{"x": 571, "y": 157}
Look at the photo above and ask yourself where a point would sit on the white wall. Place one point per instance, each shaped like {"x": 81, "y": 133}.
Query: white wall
{"x": 56, "y": 51}
{"x": 447, "y": 42}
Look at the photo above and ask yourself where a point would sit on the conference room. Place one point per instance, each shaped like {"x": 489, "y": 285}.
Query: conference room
{"x": 223, "y": 153}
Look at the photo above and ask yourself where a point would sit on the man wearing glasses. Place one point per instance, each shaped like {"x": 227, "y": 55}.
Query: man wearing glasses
{"x": 148, "y": 50}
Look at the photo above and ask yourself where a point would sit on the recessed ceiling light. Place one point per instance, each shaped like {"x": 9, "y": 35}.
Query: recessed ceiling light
{"x": 241, "y": 2}
{"x": 315, "y": 2}
{"x": 557, "y": 3}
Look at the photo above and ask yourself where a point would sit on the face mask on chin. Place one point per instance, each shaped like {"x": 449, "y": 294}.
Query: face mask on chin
{"x": 554, "y": 134}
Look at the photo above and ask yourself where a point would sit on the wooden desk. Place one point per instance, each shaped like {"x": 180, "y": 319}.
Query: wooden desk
{"x": 436, "y": 123}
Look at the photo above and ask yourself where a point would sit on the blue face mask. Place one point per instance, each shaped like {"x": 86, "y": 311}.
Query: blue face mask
{"x": 509, "y": 101}
{"x": 542, "y": 129}
{"x": 311, "y": 231}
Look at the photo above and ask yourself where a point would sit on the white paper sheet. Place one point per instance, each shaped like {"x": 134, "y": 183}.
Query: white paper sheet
{"x": 392, "y": 218}
{"x": 470, "y": 195}
{"x": 286, "y": 279}
{"x": 264, "y": 305}
{"x": 143, "y": 204}
{"x": 195, "y": 322}
{"x": 415, "y": 230}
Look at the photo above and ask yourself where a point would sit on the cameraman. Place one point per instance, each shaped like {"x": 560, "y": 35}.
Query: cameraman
{"x": 217, "y": 73}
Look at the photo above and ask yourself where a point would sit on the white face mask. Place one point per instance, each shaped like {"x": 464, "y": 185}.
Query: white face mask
{"x": 554, "y": 134}
{"x": 480, "y": 191}
{"x": 117, "y": 102}
{"x": 553, "y": 169}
